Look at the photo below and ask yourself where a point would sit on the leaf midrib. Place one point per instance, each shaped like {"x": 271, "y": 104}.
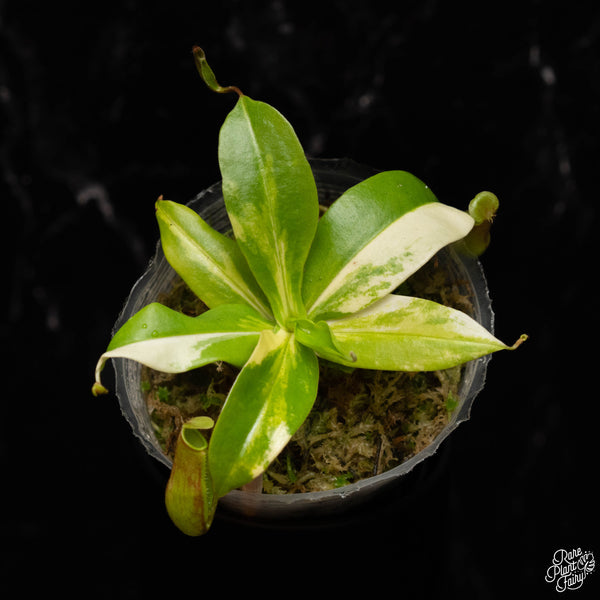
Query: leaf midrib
{"x": 273, "y": 239}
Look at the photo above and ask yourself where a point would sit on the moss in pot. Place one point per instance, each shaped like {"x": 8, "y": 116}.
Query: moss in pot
{"x": 290, "y": 296}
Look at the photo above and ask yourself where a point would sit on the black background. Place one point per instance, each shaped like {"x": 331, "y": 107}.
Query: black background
{"x": 102, "y": 111}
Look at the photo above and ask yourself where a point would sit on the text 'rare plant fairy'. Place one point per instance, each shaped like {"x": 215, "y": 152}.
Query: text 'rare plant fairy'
{"x": 287, "y": 289}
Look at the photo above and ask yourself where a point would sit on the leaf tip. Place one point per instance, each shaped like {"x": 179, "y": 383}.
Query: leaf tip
{"x": 98, "y": 389}
{"x": 524, "y": 337}
{"x": 198, "y": 52}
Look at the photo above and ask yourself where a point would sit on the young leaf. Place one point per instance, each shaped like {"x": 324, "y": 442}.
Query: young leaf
{"x": 189, "y": 497}
{"x": 318, "y": 337}
{"x": 169, "y": 341}
{"x": 401, "y": 333}
{"x": 271, "y": 198}
{"x": 268, "y": 402}
{"x": 377, "y": 234}
{"x": 210, "y": 263}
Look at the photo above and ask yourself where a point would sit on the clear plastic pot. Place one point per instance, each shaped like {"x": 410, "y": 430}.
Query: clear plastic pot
{"x": 333, "y": 177}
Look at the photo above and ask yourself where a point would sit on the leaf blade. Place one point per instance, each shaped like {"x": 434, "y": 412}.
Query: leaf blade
{"x": 270, "y": 399}
{"x": 402, "y": 333}
{"x": 168, "y": 341}
{"x": 373, "y": 238}
{"x": 271, "y": 198}
{"x": 209, "y": 262}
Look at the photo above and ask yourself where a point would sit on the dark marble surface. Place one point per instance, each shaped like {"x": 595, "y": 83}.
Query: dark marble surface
{"x": 101, "y": 111}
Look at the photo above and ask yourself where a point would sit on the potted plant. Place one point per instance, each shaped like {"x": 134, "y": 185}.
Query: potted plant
{"x": 289, "y": 290}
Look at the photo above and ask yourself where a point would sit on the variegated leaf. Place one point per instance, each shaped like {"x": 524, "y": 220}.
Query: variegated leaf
{"x": 374, "y": 237}
{"x": 271, "y": 199}
{"x": 402, "y": 333}
{"x": 210, "y": 263}
{"x": 268, "y": 402}
{"x": 169, "y": 341}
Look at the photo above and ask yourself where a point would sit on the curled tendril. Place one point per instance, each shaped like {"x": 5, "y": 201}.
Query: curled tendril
{"x": 208, "y": 76}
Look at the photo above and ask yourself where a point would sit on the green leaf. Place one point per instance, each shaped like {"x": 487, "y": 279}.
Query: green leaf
{"x": 168, "y": 341}
{"x": 377, "y": 234}
{"x": 268, "y": 402}
{"x": 189, "y": 497}
{"x": 210, "y": 263}
{"x": 271, "y": 198}
{"x": 401, "y": 333}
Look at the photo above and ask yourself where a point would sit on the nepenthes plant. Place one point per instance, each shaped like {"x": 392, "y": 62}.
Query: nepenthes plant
{"x": 288, "y": 289}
